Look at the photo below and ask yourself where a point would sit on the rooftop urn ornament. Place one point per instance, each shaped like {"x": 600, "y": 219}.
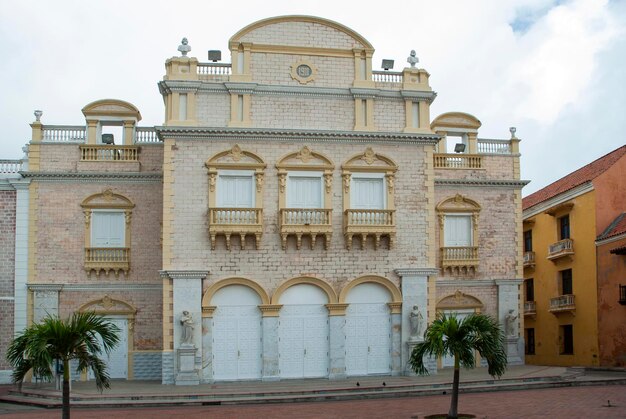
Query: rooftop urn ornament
{"x": 184, "y": 47}
{"x": 412, "y": 59}
{"x": 512, "y": 131}
{"x": 38, "y": 114}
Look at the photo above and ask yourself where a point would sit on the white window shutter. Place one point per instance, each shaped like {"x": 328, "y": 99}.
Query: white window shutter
{"x": 367, "y": 193}
{"x": 235, "y": 191}
{"x": 304, "y": 192}
{"x": 458, "y": 231}
{"x": 108, "y": 229}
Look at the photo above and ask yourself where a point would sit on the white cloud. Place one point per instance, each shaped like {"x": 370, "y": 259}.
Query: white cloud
{"x": 559, "y": 80}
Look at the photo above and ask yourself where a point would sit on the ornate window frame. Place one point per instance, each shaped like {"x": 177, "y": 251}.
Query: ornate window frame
{"x": 369, "y": 162}
{"x": 305, "y": 160}
{"x": 458, "y": 260}
{"x": 102, "y": 259}
{"x": 230, "y": 222}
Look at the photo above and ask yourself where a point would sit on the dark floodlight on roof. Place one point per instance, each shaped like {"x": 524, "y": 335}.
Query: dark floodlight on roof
{"x": 107, "y": 138}
{"x": 459, "y": 148}
{"x": 215, "y": 55}
{"x": 387, "y": 64}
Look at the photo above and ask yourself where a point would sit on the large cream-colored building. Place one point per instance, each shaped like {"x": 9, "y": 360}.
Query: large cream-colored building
{"x": 298, "y": 214}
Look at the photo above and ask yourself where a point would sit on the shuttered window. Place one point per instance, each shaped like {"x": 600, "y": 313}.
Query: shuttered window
{"x": 367, "y": 192}
{"x": 458, "y": 230}
{"x": 108, "y": 229}
{"x": 235, "y": 189}
{"x": 304, "y": 190}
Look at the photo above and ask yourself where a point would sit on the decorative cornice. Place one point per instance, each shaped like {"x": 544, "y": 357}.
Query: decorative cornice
{"x": 97, "y": 287}
{"x": 466, "y": 282}
{"x": 512, "y": 281}
{"x": 557, "y": 200}
{"x": 45, "y": 287}
{"x": 270, "y": 310}
{"x": 402, "y": 272}
{"x": 517, "y": 184}
{"x": 94, "y": 177}
{"x": 241, "y": 88}
{"x": 611, "y": 239}
{"x": 280, "y": 135}
{"x": 184, "y": 274}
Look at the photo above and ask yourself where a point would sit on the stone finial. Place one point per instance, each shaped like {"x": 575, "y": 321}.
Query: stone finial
{"x": 412, "y": 59}
{"x": 38, "y": 114}
{"x": 184, "y": 47}
{"x": 512, "y": 131}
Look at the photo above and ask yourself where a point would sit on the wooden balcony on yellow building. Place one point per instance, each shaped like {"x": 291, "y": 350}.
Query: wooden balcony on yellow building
{"x": 529, "y": 259}
{"x": 235, "y": 221}
{"x": 311, "y": 222}
{"x": 107, "y": 259}
{"x": 365, "y": 222}
{"x": 561, "y": 249}
{"x": 562, "y": 303}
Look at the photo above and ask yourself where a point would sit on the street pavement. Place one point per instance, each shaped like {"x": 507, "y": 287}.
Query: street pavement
{"x": 572, "y": 402}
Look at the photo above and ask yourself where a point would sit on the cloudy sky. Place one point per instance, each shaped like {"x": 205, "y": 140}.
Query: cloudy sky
{"x": 554, "y": 69}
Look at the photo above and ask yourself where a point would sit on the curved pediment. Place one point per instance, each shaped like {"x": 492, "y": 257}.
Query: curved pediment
{"x": 112, "y": 107}
{"x": 235, "y": 157}
{"x": 455, "y": 120}
{"x": 458, "y": 203}
{"x": 314, "y": 32}
{"x": 458, "y": 301}
{"x": 305, "y": 159}
{"x": 107, "y": 199}
{"x": 108, "y": 305}
{"x": 370, "y": 161}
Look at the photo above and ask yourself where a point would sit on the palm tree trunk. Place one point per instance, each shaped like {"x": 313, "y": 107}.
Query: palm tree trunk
{"x": 66, "y": 389}
{"x": 454, "y": 403}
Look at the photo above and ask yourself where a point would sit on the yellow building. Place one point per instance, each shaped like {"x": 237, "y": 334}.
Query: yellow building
{"x": 561, "y": 223}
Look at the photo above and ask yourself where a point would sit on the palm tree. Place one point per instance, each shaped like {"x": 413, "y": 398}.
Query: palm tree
{"x": 82, "y": 337}
{"x": 448, "y": 335}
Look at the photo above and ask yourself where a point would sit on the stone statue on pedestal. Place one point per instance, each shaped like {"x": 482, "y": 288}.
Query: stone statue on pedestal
{"x": 184, "y": 47}
{"x": 415, "y": 320}
{"x": 509, "y": 323}
{"x": 187, "y": 321}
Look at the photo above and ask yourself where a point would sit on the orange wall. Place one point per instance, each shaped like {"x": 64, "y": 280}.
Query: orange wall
{"x": 611, "y": 315}
{"x": 610, "y": 189}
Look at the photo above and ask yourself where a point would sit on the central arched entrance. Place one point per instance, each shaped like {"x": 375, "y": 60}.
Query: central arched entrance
{"x": 303, "y": 332}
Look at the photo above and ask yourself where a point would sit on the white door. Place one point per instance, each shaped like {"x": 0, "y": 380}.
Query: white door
{"x": 117, "y": 360}
{"x": 368, "y": 330}
{"x": 448, "y": 361}
{"x": 367, "y": 193}
{"x": 237, "y": 347}
{"x": 303, "y": 330}
{"x": 235, "y": 189}
{"x": 458, "y": 231}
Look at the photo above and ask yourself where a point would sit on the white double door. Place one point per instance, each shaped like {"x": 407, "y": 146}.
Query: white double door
{"x": 117, "y": 360}
{"x": 303, "y": 333}
{"x": 368, "y": 339}
{"x": 236, "y": 325}
{"x": 237, "y": 346}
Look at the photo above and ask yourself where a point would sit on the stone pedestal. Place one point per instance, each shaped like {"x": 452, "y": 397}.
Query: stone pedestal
{"x": 187, "y": 373}
{"x": 411, "y": 343}
{"x": 513, "y": 353}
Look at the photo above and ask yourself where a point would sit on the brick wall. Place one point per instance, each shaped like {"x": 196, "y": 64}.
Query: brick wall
{"x": 7, "y": 271}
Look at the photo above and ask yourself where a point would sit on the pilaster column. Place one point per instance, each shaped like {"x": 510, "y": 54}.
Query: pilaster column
{"x": 337, "y": 340}
{"x": 20, "y": 292}
{"x": 396, "y": 338}
{"x": 269, "y": 326}
{"x": 511, "y": 317}
{"x": 415, "y": 292}
{"x": 207, "y": 344}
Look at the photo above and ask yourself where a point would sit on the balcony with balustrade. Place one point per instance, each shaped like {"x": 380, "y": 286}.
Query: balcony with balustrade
{"x": 563, "y": 304}
{"x": 459, "y": 259}
{"x": 369, "y": 222}
{"x": 239, "y": 222}
{"x": 114, "y": 259}
{"x": 530, "y": 308}
{"x": 301, "y": 222}
{"x": 10, "y": 169}
{"x": 529, "y": 259}
{"x": 561, "y": 249}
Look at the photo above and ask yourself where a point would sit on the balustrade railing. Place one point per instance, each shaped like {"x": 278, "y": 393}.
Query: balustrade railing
{"x": 561, "y": 248}
{"x": 302, "y": 216}
{"x": 459, "y": 253}
{"x": 235, "y": 216}
{"x": 387, "y": 76}
{"x": 214, "y": 69}
{"x": 370, "y": 217}
{"x": 457, "y": 161}
{"x": 109, "y": 153}
{"x": 10, "y": 166}
{"x": 107, "y": 254}
{"x": 146, "y": 135}
{"x": 529, "y": 258}
{"x": 63, "y": 133}
{"x": 562, "y": 303}
{"x": 489, "y": 146}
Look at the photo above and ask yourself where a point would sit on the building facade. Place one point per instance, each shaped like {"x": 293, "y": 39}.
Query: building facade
{"x": 571, "y": 277}
{"x": 297, "y": 215}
